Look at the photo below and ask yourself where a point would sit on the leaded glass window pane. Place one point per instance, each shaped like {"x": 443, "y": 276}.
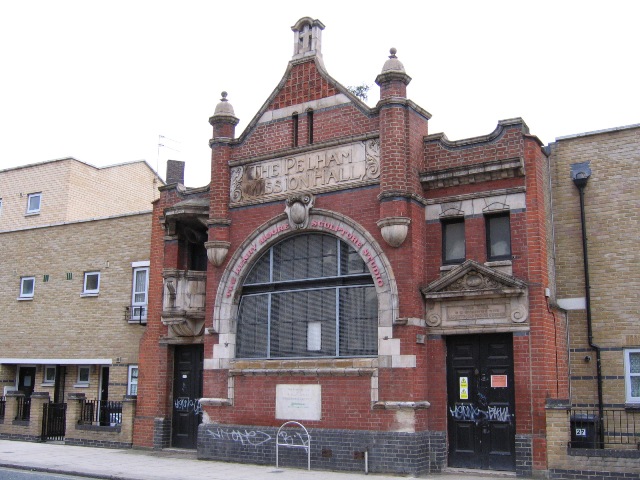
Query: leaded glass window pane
{"x": 635, "y": 386}
{"x": 634, "y": 362}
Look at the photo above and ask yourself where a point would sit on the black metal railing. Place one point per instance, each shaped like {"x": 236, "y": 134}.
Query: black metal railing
{"x": 617, "y": 428}
{"x": 135, "y": 314}
{"x": 101, "y": 412}
{"x": 24, "y": 408}
{"x": 3, "y": 402}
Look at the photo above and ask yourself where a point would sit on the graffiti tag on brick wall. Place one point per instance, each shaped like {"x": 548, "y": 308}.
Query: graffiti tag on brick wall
{"x": 188, "y": 404}
{"x": 244, "y": 437}
{"x": 472, "y": 413}
{"x": 292, "y": 439}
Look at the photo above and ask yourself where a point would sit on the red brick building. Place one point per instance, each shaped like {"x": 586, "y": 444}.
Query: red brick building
{"x": 386, "y": 288}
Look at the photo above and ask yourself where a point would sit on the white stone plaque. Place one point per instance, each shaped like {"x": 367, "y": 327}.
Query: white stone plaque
{"x": 321, "y": 170}
{"x": 298, "y": 402}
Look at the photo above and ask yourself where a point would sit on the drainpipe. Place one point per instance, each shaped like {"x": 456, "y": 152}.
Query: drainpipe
{"x": 580, "y": 173}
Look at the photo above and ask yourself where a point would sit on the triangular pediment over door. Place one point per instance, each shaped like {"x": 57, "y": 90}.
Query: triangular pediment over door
{"x": 474, "y": 298}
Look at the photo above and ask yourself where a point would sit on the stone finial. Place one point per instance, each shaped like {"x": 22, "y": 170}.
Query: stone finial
{"x": 223, "y": 115}
{"x": 393, "y": 64}
{"x": 307, "y": 38}
{"x": 224, "y": 107}
{"x": 393, "y": 71}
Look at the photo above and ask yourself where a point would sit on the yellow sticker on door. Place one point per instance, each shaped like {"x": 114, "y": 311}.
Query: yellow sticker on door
{"x": 464, "y": 388}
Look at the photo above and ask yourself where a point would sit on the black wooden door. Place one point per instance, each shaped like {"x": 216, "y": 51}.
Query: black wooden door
{"x": 187, "y": 391}
{"x": 481, "y": 401}
{"x": 27, "y": 380}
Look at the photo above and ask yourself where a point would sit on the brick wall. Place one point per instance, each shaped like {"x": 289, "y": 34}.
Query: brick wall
{"x": 58, "y": 322}
{"x": 73, "y": 190}
{"x": 612, "y": 222}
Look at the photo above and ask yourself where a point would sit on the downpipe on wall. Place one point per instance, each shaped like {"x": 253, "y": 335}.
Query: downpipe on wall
{"x": 580, "y": 174}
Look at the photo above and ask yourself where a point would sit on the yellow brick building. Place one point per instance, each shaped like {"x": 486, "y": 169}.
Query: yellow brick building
{"x": 74, "y": 243}
{"x": 595, "y": 189}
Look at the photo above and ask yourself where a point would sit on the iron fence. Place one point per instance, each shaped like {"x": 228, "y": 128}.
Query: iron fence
{"x": 608, "y": 428}
{"x": 101, "y": 412}
{"x": 24, "y": 408}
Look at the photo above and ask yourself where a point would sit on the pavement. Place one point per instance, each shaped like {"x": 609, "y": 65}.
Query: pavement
{"x": 134, "y": 464}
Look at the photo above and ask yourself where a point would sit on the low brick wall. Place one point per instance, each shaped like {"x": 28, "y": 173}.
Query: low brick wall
{"x": 579, "y": 463}
{"x": 118, "y": 436}
{"x": 25, "y": 430}
{"x": 388, "y": 452}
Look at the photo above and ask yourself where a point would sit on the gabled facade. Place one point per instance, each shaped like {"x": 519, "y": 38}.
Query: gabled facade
{"x": 73, "y": 283}
{"x": 384, "y": 287}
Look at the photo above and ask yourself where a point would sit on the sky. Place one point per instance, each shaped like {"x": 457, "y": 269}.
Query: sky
{"x": 106, "y": 82}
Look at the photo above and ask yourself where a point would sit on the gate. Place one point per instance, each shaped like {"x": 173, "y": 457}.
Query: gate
{"x": 54, "y": 420}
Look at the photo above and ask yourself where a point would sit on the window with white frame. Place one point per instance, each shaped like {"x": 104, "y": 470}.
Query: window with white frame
{"x": 139, "y": 295}
{"x": 310, "y": 295}
{"x": 27, "y": 287}
{"x": 84, "y": 373}
{"x": 33, "y": 202}
{"x": 49, "y": 374}
{"x": 91, "y": 283}
{"x": 0, "y": 206}
{"x": 132, "y": 385}
{"x": 632, "y": 374}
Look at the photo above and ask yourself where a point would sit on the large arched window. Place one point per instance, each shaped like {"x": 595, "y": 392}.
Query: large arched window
{"x": 310, "y": 295}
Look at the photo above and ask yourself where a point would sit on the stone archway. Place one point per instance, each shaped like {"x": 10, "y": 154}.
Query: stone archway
{"x": 323, "y": 221}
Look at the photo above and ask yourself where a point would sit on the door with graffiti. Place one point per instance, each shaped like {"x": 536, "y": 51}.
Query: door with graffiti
{"x": 187, "y": 391}
{"x": 481, "y": 401}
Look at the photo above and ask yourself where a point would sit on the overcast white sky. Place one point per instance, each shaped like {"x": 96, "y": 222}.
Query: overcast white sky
{"x": 101, "y": 80}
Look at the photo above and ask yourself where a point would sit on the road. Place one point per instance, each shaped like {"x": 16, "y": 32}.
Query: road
{"x": 11, "y": 474}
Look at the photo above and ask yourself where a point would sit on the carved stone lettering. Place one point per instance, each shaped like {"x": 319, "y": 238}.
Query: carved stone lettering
{"x": 472, "y": 312}
{"x": 321, "y": 170}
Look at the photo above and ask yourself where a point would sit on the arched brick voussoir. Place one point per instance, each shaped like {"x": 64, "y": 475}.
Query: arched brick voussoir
{"x": 324, "y": 221}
